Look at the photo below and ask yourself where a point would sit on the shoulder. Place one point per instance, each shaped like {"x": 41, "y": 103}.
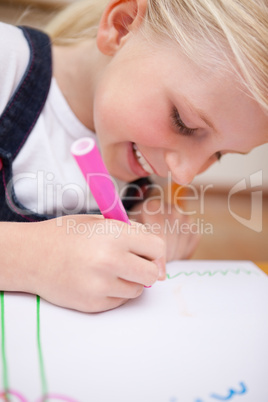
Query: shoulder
{"x": 14, "y": 58}
{"x": 12, "y": 43}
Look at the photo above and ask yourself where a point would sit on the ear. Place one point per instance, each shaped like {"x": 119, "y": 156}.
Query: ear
{"x": 119, "y": 19}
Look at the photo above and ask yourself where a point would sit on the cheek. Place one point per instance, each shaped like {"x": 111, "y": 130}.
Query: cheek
{"x": 128, "y": 107}
{"x": 110, "y": 115}
{"x": 105, "y": 114}
{"x": 121, "y": 118}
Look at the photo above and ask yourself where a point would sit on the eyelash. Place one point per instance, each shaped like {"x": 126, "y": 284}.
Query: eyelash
{"x": 184, "y": 130}
{"x": 178, "y": 123}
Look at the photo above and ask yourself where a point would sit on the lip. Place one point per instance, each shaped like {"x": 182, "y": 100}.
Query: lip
{"x": 134, "y": 164}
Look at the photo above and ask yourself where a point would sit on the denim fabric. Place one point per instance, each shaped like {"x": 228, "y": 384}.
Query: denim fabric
{"x": 18, "y": 120}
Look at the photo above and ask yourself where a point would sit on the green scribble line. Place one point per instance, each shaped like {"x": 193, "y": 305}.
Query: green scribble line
{"x": 210, "y": 273}
{"x": 3, "y": 345}
{"x": 40, "y": 353}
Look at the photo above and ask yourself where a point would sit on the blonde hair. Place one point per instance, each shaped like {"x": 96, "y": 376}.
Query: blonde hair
{"x": 76, "y": 22}
{"x": 208, "y": 31}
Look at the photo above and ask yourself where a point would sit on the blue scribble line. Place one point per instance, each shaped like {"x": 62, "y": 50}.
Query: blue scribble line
{"x": 231, "y": 393}
{"x": 210, "y": 273}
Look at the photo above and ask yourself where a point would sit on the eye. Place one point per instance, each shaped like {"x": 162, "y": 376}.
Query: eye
{"x": 178, "y": 123}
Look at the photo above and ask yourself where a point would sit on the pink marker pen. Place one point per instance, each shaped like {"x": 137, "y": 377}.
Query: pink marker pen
{"x": 88, "y": 158}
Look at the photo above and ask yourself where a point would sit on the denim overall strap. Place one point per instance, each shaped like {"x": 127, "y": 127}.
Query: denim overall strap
{"x": 19, "y": 118}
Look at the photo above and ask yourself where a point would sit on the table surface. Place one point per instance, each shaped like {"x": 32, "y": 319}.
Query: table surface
{"x": 263, "y": 265}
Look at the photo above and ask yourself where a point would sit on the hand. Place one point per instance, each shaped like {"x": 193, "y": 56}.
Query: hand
{"x": 167, "y": 223}
{"x": 89, "y": 263}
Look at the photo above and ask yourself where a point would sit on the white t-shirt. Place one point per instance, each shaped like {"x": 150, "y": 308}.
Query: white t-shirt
{"x": 46, "y": 177}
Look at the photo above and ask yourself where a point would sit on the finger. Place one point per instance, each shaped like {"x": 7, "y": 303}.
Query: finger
{"x": 147, "y": 245}
{"x": 108, "y": 303}
{"x": 133, "y": 268}
{"x": 125, "y": 290}
{"x": 141, "y": 241}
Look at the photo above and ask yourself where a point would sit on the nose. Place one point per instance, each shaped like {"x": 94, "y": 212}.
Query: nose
{"x": 184, "y": 168}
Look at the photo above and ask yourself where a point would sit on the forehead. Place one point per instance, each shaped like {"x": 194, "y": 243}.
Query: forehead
{"x": 208, "y": 74}
{"x": 202, "y": 60}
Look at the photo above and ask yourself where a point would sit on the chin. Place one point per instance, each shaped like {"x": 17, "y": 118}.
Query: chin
{"x": 123, "y": 177}
{"x": 121, "y": 173}
{"x": 119, "y": 170}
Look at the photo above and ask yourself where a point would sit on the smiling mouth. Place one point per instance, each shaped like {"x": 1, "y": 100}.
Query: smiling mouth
{"x": 141, "y": 160}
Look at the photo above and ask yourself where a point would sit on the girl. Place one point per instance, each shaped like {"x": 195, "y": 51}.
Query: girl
{"x": 165, "y": 86}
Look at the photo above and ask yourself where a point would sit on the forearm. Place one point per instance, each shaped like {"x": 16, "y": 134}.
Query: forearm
{"x": 16, "y": 255}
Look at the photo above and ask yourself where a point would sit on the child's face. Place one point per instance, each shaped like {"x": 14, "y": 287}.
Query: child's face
{"x": 136, "y": 101}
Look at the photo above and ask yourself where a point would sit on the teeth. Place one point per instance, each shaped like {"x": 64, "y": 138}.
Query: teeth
{"x": 141, "y": 160}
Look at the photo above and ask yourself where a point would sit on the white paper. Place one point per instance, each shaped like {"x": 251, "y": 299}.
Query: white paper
{"x": 201, "y": 336}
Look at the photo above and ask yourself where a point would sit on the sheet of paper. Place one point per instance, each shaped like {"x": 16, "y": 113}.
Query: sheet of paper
{"x": 200, "y": 336}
